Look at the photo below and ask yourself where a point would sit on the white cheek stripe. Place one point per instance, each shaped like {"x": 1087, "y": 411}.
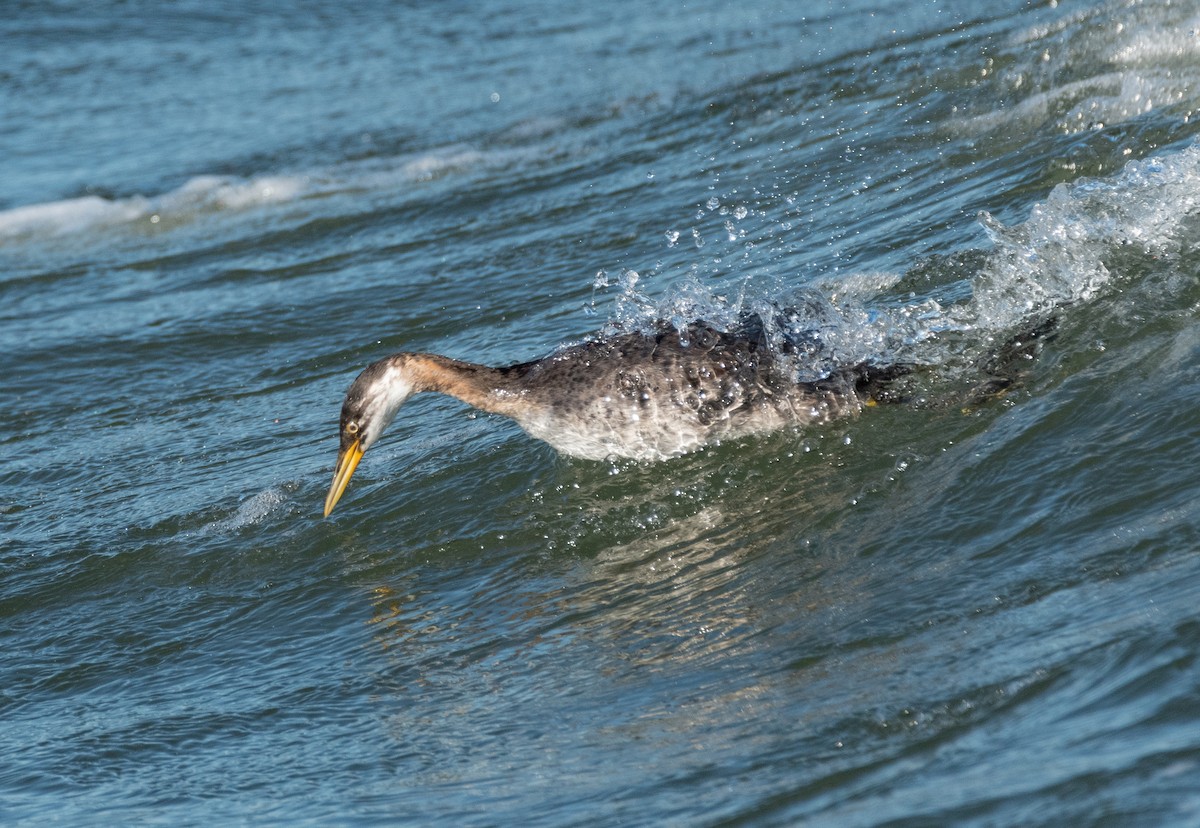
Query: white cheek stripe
{"x": 387, "y": 396}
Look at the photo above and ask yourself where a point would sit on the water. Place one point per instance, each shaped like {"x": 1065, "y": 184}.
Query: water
{"x": 948, "y": 611}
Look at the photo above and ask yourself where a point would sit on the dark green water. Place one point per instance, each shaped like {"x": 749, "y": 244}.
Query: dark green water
{"x": 942, "y": 612}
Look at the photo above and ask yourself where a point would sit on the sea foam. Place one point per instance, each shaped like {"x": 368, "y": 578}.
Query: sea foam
{"x": 214, "y": 194}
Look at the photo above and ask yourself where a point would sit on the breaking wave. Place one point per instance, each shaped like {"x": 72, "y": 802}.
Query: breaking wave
{"x": 1084, "y": 242}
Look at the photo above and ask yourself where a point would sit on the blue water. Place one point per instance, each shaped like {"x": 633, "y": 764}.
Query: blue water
{"x": 955, "y": 610}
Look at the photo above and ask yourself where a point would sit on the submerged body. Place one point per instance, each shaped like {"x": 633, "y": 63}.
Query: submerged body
{"x": 645, "y": 396}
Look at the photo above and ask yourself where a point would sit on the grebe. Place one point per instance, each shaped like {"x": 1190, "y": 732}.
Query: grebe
{"x": 646, "y": 396}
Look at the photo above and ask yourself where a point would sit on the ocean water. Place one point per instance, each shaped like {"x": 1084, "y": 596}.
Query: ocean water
{"x": 961, "y": 609}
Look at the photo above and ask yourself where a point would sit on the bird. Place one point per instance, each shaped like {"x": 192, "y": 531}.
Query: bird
{"x": 646, "y": 395}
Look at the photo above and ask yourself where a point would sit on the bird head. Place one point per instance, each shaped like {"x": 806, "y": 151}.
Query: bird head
{"x": 370, "y": 406}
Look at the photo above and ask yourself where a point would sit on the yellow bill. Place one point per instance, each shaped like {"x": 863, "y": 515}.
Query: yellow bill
{"x": 347, "y": 462}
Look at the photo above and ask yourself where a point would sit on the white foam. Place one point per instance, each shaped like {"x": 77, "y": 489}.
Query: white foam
{"x": 199, "y": 195}
{"x": 212, "y": 194}
{"x": 69, "y": 216}
{"x": 223, "y": 192}
{"x": 432, "y": 165}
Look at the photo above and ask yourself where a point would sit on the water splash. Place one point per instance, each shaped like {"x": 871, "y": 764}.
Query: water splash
{"x": 1086, "y": 239}
{"x": 1080, "y": 245}
{"x": 250, "y": 512}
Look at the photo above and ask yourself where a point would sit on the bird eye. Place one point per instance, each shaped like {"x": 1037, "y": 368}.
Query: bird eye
{"x": 352, "y": 427}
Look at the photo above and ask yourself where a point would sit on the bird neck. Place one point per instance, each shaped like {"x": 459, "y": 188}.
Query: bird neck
{"x": 485, "y": 388}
